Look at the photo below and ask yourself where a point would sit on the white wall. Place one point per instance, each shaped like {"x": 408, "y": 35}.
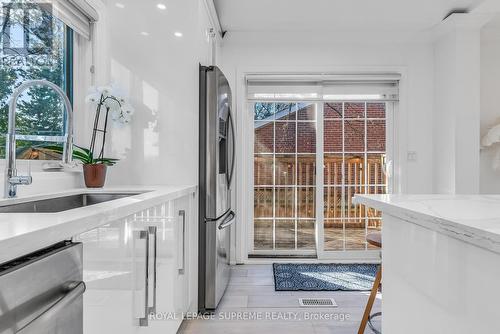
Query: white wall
{"x": 457, "y": 104}
{"x": 159, "y": 72}
{"x": 490, "y": 107}
{"x": 301, "y": 52}
{"x": 297, "y": 52}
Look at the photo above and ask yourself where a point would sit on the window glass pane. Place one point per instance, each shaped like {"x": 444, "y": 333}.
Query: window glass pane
{"x": 285, "y": 202}
{"x": 334, "y": 234}
{"x": 263, "y": 170}
{"x": 306, "y": 170}
{"x": 306, "y": 202}
{"x": 306, "y": 238}
{"x": 354, "y": 138}
{"x": 306, "y": 137}
{"x": 285, "y": 170}
{"x": 375, "y": 169}
{"x": 285, "y": 137}
{"x": 34, "y": 46}
{"x": 333, "y": 169}
{"x": 354, "y": 110}
{"x": 332, "y": 110}
{"x": 354, "y": 169}
{"x": 263, "y": 234}
{"x": 307, "y": 111}
{"x": 286, "y": 111}
{"x": 264, "y": 111}
{"x": 285, "y": 234}
{"x": 355, "y": 234}
{"x": 263, "y": 202}
{"x": 264, "y": 137}
{"x": 375, "y": 134}
{"x": 375, "y": 110}
{"x": 333, "y": 202}
{"x": 332, "y": 132}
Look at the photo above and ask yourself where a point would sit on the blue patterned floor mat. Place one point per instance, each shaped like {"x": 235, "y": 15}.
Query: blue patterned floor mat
{"x": 323, "y": 277}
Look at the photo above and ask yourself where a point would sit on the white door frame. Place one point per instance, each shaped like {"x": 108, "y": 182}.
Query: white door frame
{"x": 244, "y": 178}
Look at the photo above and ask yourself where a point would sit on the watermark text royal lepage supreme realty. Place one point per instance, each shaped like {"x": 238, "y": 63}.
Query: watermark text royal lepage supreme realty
{"x": 249, "y": 316}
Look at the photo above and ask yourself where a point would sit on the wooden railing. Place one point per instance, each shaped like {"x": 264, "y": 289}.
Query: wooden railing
{"x": 338, "y": 205}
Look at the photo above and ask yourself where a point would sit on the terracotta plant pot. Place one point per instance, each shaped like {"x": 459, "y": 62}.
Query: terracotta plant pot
{"x": 94, "y": 175}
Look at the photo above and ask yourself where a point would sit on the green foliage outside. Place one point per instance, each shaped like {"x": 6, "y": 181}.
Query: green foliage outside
{"x": 40, "y": 111}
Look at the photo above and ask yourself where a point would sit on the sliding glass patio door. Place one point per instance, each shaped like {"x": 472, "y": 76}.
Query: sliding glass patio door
{"x": 316, "y": 141}
{"x": 354, "y": 162}
{"x": 284, "y": 177}
{"x": 300, "y": 209}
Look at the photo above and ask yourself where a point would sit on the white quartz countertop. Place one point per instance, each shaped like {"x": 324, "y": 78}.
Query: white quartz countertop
{"x": 22, "y": 233}
{"x": 471, "y": 218}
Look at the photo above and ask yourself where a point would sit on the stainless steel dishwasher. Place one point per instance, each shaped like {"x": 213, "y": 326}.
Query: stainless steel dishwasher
{"x": 42, "y": 292}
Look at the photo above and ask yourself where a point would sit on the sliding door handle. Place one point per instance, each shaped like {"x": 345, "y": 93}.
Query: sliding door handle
{"x": 228, "y": 220}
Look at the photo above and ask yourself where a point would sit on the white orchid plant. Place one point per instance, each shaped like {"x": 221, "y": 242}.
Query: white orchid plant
{"x": 119, "y": 109}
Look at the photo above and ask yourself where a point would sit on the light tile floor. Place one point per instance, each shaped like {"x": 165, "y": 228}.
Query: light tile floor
{"x": 251, "y": 294}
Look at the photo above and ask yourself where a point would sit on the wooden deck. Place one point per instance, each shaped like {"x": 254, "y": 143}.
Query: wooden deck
{"x": 335, "y": 238}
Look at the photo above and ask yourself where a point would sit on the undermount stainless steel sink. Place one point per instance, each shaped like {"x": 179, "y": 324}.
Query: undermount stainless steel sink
{"x": 59, "y": 204}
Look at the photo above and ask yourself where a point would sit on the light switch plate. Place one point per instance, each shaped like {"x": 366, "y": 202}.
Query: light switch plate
{"x": 412, "y": 156}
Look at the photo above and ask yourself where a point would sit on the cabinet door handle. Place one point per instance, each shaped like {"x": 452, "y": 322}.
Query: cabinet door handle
{"x": 153, "y": 231}
{"x": 182, "y": 243}
{"x": 143, "y": 322}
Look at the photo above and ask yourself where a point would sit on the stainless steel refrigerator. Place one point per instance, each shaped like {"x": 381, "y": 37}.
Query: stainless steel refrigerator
{"x": 217, "y": 159}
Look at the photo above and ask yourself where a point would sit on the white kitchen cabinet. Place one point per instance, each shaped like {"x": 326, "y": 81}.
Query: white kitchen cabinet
{"x": 141, "y": 272}
{"x": 109, "y": 274}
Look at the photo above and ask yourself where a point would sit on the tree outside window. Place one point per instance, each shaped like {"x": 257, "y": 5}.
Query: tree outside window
{"x": 33, "y": 45}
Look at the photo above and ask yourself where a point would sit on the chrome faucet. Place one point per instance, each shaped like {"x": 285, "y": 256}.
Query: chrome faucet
{"x": 12, "y": 180}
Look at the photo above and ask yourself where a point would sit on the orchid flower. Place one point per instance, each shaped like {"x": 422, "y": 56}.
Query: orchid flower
{"x": 109, "y": 97}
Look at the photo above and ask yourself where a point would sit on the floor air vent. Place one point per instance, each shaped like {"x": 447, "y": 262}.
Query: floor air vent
{"x": 317, "y": 302}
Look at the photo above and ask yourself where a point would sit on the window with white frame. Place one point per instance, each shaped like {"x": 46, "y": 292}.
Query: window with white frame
{"x": 36, "y": 42}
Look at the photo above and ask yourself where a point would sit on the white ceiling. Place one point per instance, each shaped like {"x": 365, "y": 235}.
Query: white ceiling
{"x": 335, "y": 15}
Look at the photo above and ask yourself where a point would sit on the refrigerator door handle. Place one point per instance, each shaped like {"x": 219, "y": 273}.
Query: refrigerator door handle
{"x": 228, "y": 221}
{"x": 233, "y": 136}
